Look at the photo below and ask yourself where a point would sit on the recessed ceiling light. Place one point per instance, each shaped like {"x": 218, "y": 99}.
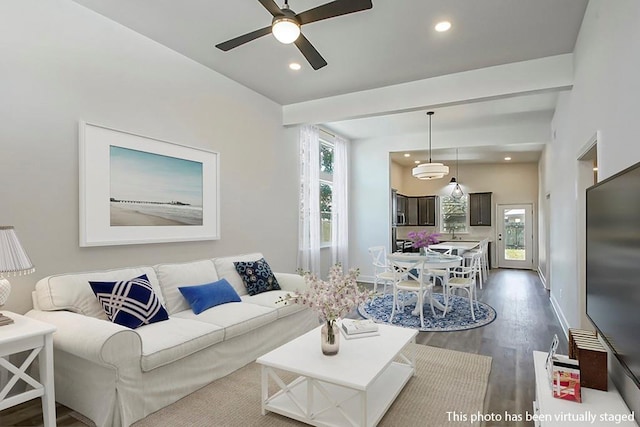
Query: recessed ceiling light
{"x": 443, "y": 26}
{"x": 417, "y": 162}
{"x": 407, "y": 155}
{"x": 507, "y": 158}
{"x": 295, "y": 66}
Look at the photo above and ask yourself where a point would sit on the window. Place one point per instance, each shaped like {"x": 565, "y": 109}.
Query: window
{"x": 326, "y": 191}
{"x": 454, "y": 214}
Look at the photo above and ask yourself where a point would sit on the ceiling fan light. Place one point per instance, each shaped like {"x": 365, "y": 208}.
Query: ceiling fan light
{"x": 430, "y": 171}
{"x": 285, "y": 29}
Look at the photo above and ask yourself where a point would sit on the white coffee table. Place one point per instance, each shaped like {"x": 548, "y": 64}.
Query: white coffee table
{"x": 355, "y": 387}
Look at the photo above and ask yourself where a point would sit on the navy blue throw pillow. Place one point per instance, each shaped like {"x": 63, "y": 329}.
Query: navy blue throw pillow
{"x": 202, "y": 297}
{"x": 257, "y": 276}
{"x": 131, "y": 303}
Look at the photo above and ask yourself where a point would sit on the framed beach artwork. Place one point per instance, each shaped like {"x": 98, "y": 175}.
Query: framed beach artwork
{"x": 135, "y": 189}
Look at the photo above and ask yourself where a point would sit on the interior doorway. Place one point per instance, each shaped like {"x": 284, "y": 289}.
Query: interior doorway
{"x": 587, "y": 175}
{"x": 515, "y": 236}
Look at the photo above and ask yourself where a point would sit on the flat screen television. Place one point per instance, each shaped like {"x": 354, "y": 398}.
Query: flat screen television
{"x": 613, "y": 265}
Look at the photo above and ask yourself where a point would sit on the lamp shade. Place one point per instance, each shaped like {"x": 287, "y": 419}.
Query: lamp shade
{"x": 430, "y": 171}
{"x": 13, "y": 261}
{"x": 13, "y": 258}
{"x": 285, "y": 29}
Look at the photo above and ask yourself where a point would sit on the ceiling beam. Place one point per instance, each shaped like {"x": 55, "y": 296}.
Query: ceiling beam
{"x": 552, "y": 73}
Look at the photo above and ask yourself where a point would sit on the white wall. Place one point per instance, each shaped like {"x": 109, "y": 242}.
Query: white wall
{"x": 604, "y": 98}
{"x": 61, "y": 63}
{"x": 544, "y": 204}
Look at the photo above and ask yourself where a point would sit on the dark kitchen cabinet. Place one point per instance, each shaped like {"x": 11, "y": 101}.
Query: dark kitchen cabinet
{"x": 427, "y": 210}
{"x": 412, "y": 211}
{"x": 401, "y": 209}
{"x": 421, "y": 210}
{"x": 480, "y": 209}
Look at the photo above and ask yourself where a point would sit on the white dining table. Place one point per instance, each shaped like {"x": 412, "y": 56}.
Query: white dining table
{"x": 430, "y": 261}
{"x": 458, "y": 248}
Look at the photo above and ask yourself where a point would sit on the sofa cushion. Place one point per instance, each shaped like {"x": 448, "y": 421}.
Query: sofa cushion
{"x": 131, "y": 303}
{"x": 236, "y": 318}
{"x": 166, "y": 342}
{"x": 270, "y": 299}
{"x": 72, "y": 292}
{"x": 257, "y": 276}
{"x": 226, "y": 269}
{"x": 202, "y": 297}
{"x": 172, "y": 276}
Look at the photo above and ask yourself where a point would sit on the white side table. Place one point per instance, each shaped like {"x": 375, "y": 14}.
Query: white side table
{"x": 601, "y": 406}
{"x": 23, "y": 335}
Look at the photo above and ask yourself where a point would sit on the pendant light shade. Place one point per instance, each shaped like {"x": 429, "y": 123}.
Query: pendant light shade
{"x": 457, "y": 190}
{"x": 430, "y": 170}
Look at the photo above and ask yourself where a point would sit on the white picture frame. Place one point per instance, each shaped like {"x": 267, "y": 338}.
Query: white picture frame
{"x": 136, "y": 189}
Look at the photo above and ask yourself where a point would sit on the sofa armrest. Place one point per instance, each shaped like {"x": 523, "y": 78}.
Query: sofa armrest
{"x": 291, "y": 282}
{"x": 105, "y": 343}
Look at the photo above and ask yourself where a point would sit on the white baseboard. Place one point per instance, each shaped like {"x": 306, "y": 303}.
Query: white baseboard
{"x": 542, "y": 278}
{"x": 560, "y": 315}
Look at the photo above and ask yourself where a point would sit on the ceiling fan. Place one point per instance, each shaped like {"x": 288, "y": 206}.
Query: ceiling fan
{"x": 286, "y": 25}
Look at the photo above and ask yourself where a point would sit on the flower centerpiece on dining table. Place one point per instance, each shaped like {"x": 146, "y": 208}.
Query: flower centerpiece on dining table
{"x": 331, "y": 299}
{"x": 422, "y": 239}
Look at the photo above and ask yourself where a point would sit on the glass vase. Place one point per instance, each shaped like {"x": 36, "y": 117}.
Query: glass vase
{"x": 423, "y": 251}
{"x": 330, "y": 338}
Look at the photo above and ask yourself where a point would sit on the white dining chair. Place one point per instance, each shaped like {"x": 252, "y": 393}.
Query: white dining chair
{"x": 483, "y": 270}
{"x": 441, "y": 274}
{"x": 464, "y": 278}
{"x": 410, "y": 277}
{"x": 381, "y": 271}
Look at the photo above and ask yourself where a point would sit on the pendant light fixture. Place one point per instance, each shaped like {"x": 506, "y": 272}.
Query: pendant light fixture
{"x": 457, "y": 190}
{"x": 430, "y": 170}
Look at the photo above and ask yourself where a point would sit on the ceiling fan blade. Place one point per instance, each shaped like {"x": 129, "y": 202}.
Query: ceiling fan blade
{"x": 230, "y": 44}
{"x": 333, "y": 9}
{"x": 313, "y": 56}
{"x": 271, "y": 6}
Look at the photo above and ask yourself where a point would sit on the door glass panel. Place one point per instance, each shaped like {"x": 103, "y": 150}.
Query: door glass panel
{"x": 514, "y": 226}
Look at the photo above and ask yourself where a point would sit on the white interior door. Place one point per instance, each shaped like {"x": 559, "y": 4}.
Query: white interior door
{"x": 515, "y": 236}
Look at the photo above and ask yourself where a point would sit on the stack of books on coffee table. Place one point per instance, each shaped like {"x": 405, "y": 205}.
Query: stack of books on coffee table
{"x": 352, "y": 328}
{"x": 4, "y": 320}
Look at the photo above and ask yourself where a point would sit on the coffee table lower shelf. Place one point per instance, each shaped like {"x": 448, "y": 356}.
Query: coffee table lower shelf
{"x": 335, "y": 405}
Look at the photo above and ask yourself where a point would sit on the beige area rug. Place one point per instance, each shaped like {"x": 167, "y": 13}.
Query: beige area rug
{"x": 445, "y": 381}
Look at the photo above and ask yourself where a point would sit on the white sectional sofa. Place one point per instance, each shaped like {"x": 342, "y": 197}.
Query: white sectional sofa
{"x": 115, "y": 375}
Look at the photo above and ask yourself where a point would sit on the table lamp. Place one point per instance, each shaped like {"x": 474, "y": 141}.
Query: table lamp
{"x": 14, "y": 261}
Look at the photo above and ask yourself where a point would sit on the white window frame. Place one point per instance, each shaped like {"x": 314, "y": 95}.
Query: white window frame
{"x": 466, "y": 221}
{"x": 325, "y": 178}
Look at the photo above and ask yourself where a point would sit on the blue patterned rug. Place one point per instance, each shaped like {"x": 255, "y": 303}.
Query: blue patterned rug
{"x": 458, "y": 316}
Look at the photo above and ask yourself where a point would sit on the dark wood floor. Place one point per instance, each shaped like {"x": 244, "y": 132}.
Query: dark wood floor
{"x": 525, "y": 323}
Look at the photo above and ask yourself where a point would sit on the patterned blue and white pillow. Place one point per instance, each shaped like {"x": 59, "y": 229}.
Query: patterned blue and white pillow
{"x": 131, "y": 303}
{"x": 257, "y": 276}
